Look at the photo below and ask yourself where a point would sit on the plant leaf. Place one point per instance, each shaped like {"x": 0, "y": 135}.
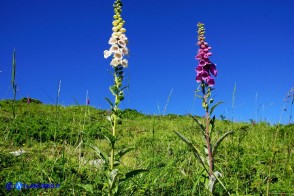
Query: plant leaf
{"x": 133, "y": 173}
{"x": 184, "y": 139}
{"x": 110, "y": 103}
{"x": 112, "y": 139}
{"x": 114, "y": 90}
{"x": 125, "y": 87}
{"x": 100, "y": 154}
{"x": 112, "y": 178}
{"x": 198, "y": 123}
{"x": 122, "y": 152}
{"x": 218, "y": 142}
{"x": 212, "y": 180}
{"x": 108, "y": 118}
{"x": 87, "y": 187}
{"x": 194, "y": 150}
{"x": 212, "y": 121}
{"x": 214, "y": 106}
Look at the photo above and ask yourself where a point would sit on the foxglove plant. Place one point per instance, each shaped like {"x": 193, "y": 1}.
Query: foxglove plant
{"x": 205, "y": 71}
{"x": 118, "y": 50}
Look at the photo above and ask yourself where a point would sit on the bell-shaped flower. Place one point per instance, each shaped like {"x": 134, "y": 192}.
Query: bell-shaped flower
{"x": 210, "y": 81}
{"x": 198, "y": 56}
{"x": 114, "y": 35}
{"x": 202, "y": 62}
{"x": 204, "y": 75}
{"x": 123, "y": 37}
{"x": 114, "y": 48}
{"x": 118, "y": 55}
{"x": 199, "y": 69}
{"x": 124, "y": 63}
{"x": 122, "y": 43}
{"x": 213, "y": 70}
{"x": 115, "y": 62}
{"x": 125, "y": 50}
{"x": 107, "y": 54}
{"x": 112, "y": 40}
{"x": 198, "y": 77}
{"x": 205, "y": 56}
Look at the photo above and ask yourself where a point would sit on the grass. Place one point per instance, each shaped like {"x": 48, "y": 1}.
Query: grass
{"x": 257, "y": 159}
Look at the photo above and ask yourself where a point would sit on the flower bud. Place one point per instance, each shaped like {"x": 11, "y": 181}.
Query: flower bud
{"x": 114, "y": 23}
{"x": 119, "y": 26}
{"x": 114, "y": 29}
{"x": 122, "y": 30}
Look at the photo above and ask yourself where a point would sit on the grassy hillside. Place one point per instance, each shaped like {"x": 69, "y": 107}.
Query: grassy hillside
{"x": 61, "y": 145}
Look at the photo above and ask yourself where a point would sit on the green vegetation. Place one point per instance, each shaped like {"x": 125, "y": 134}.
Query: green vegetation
{"x": 257, "y": 159}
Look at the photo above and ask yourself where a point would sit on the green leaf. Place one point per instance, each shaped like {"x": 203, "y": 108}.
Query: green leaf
{"x": 214, "y": 106}
{"x": 212, "y": 120}
{"x": 87, "y": 187}
{"x": 114, "y": 90}
{"x": 125, "y": 87}
{"x": 133, "y": 173}
{"x": 116, "y": 163}
{"x": 110, "y": 103}
{"x": 198, "y": 123}
{"x": 195, "y": 151}
{"x": 212, "y": 180}
{"x": 108, "y": 118}
{"x": 121, "y": 98}
{"x": 100, "y": 154}
{"x": 184, "y": 139}
{"x": 112, "y": 139}
{"x": 218, "y": 142}
{"x": 122, "y": 152}
{"x": 112, "y": 178}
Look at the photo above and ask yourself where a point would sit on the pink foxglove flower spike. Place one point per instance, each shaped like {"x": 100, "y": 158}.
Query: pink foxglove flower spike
{"x": 205, "y": 67}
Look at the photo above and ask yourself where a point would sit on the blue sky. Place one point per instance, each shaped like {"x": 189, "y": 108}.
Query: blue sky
{"x": 252, "y": 44}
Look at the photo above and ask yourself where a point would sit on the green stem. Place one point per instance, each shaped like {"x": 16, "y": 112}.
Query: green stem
{"x": 208, "y": 141}
{"x": 113, "y": 146}
{"x": 117, "y": 84}
{"x": 206, "y": 95}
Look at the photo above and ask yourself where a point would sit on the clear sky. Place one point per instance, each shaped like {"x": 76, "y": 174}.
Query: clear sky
{"x": 252, "y": 44}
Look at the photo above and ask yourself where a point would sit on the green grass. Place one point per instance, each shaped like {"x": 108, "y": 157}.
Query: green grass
{"x": 255, "y": 159}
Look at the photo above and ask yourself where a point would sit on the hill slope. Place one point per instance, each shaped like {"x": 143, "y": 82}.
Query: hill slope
{"x": 58, "y": 144}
